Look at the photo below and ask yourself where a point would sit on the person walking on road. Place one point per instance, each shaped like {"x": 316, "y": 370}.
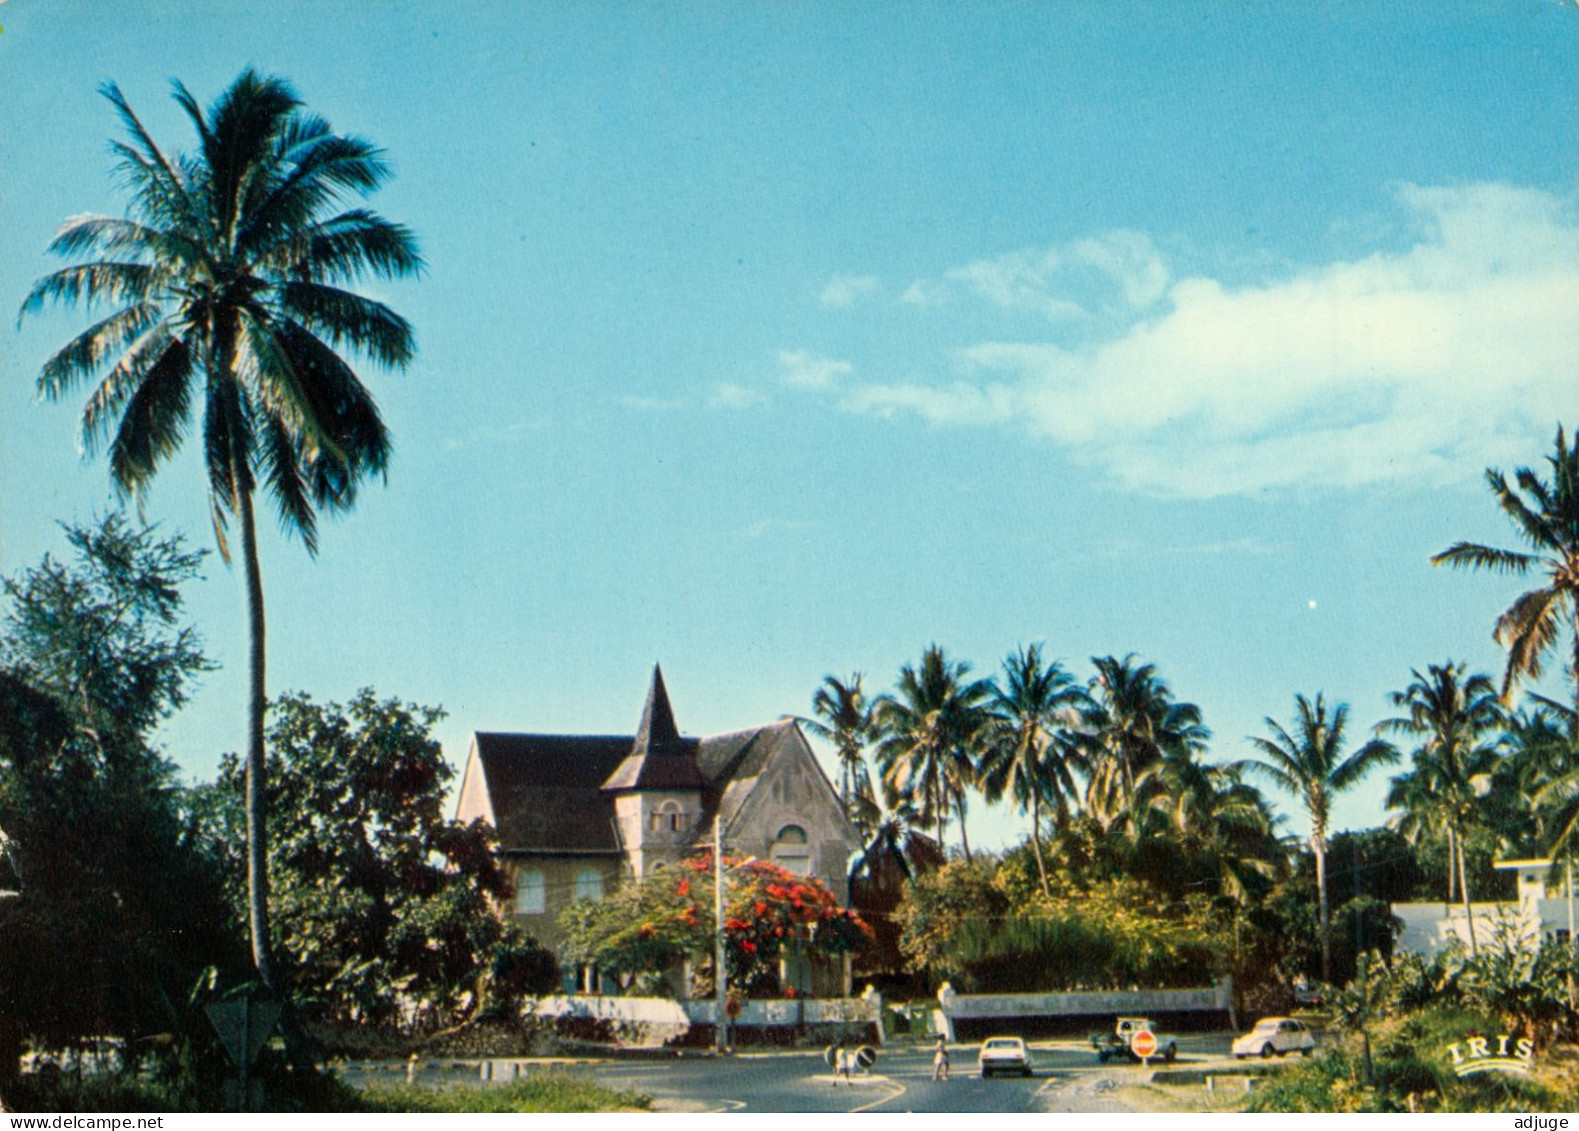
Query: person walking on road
{"x": 940, "y": 1060}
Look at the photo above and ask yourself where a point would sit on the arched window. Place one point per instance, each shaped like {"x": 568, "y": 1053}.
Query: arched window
{"x": 670, "y": 817}
{"x": 531, "y": 894}
{"x": 589, "y": 884}
{"x": 791, "y": 850}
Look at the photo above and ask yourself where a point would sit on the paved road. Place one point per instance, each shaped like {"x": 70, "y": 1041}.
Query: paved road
{"x": 1068, "y": 1079}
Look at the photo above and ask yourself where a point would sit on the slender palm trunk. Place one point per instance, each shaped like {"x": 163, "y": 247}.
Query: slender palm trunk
{"x": 959, "y": 802}
{"x": 1036, "y": 837}
{"x": 1452, "y": 859}
{"x": 1573, "y": 599}
{"x": 1463, "y": 887}
{"x": 1318, "y": 844}
{"x": 257, "y": 771}
{"x": 942, "y": 812}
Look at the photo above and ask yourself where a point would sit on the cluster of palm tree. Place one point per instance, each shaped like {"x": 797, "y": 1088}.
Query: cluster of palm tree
{"x": 1115, "y": 756}
{"x": 1118, "y": 760}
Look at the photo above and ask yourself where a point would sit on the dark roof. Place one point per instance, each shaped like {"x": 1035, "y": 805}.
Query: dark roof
{"x": 545, "y": 789}
{"x": 548, "y": 794}
{"x": 659, "y": 758}
{"x": 551, "y": 792}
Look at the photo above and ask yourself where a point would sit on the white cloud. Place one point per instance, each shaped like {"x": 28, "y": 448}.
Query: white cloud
{"x": 650, "y": 404}
{"x": 802, "y": 370}
{"x": 726, "y": 395}
{"x": 845, "y": 290}
{"x": 960, "y": 403}
{"x": 1118, "y": 271}
{"x": 1423, "y": 364}
{"x": 925, "y": 292}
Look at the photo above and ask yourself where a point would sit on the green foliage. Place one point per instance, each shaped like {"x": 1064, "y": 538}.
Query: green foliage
{"x": 1411, "y": 1067}
{"x": 119, "y": 909}
{"x": 652, "y": 925}
{"x": 540, "y": 1092}
{"x": 988, "y": 928}
{"x": 380, "y": 905}
{"x": 283, "y": 1090}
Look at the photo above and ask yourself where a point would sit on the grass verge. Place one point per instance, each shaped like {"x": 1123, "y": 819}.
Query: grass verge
{"x": 547, "y": 1092}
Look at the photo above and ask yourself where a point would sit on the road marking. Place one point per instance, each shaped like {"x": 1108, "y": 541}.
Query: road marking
{"x": 1051, "y": 1081}
{"x": 890, "y": 1098}
{"x": 729, "y": 1105}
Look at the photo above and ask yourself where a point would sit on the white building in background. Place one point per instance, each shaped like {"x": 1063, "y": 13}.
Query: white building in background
{"x": 1543, "y": 913}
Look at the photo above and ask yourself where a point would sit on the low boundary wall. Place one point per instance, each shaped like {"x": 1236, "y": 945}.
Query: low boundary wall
{"x": 1064, "y": 1012}
{"x": 660, "y": 1020}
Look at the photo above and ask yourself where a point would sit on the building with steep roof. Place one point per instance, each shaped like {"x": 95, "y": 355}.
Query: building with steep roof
{"x": 578, "y": 814}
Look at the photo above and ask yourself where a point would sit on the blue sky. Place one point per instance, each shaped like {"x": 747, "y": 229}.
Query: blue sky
{"x": 772, "y": 340}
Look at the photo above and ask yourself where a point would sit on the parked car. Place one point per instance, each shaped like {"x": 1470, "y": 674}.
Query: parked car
{"x": 1276, "y": 1036}
{"x": 1004, "y": 1054}
{"x": 1118, "y": 1044}
{"x": 1308, "y": 994}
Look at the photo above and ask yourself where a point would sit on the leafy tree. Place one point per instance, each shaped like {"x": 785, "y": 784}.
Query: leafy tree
{"x": 229, "y": 275}
{"x": 117, "y": 912}
{"x": 1454, "y": 714}
{"x": 989, "y": 928}
{"x": 1029, "y": 745}
{"x": 378, "y": 898}
{"x": 845, "y": 718}
{"x": 1538, "y": 773}
{"x": 1310, "y": 765}
{"x": 1546, "y": 516}
{"x": 650, "y": 926}
{"x": 928, "y": 733}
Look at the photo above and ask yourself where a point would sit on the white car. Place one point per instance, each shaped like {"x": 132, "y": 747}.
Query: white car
{"x": 1004, "y": 1054}
{"x": 1276, "y": 1036}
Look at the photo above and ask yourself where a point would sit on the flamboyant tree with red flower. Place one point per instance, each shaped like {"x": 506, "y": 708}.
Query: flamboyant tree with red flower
{"x": 658, "y": 923}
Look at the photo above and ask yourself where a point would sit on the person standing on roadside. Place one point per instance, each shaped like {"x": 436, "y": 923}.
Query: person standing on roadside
{"x": 940, "y": 1060}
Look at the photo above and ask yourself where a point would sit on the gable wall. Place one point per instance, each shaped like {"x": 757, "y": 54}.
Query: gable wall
{"x": 791, "y": 790}
{"x": 473, "y": 800}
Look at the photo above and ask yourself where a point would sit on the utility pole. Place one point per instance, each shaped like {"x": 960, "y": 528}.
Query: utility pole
{"x": 1360, "y": 971}
{"x": 720, "y": 990}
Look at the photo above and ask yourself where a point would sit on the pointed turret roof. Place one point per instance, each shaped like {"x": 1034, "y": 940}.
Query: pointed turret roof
{"x": 659, "y": 757}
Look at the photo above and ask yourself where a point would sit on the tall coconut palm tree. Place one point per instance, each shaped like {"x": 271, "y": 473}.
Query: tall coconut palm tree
{"x": 928, "y": 732}
{"x": 844, "y": 717}
{"x": 228, "y": 284}
{"x": 1456, "y": 715}
{"x": 1546, "y": 516}
{"x": 1133, "y": 721}
{"x": 1543, "y": 767}
{"x": 1309, "y": 765}
{"x": 1028, "y": 742}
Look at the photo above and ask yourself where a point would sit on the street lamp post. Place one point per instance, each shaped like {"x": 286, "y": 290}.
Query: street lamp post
{"x": 720, "y": 990}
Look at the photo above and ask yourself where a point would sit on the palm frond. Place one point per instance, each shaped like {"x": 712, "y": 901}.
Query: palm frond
{"x": 153, "y": 421}
{"x": 1473, "y": 556}
{"x": 1535, "y": 527}
{"x": 280, "y": 458}
{"x": 1527, "y": 629}
{"x": 99, "y": 415}
{"x": 92, "y": 283}
{"x": 343, "y": 406}
{"x": 161, "y": 190}
{"x": 349, "y": 320}
{"x": 85, "y": 354}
